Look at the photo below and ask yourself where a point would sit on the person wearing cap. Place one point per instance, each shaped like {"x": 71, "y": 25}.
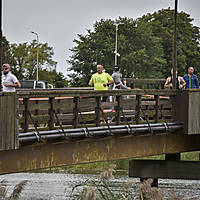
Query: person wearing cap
{"x": 117, "y": 76}
{"x": 9, "y": 80}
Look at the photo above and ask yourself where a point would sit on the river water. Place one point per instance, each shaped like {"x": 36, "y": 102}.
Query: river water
{"x": 58, "y": 186}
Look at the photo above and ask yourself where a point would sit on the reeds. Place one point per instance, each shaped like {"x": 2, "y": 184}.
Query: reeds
{"x": 16, "y": 193}
{"x": 148, "y": 192}
{"x": 100, "y": 189}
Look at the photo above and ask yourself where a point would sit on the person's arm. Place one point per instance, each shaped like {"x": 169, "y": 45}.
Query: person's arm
{"x": 110, "y": 81}
{"x": 16, "y": 84}
{"x": 167, "y": 83}
{"x": 91, "y": 81}
{"x": 182, "y": 82}
{"x": 197, "y": 82}
{"x": 124, "y": 86}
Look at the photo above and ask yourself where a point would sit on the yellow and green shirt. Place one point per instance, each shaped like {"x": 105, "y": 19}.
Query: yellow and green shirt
{"x": 99, "y": 79}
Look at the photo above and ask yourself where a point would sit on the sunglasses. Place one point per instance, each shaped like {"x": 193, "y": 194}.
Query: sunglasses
{"x": 5, "y": 68}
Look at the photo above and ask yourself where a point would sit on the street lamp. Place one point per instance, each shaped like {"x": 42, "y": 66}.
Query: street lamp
{"x": 37, "y": 52}
{"x": 0, "y": 42}
{"x": 175, "y": 46}
{"x": 116, "y": 54}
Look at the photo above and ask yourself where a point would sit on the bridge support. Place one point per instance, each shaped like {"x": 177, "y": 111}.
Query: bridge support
{"x": 8, "y": 121}
{"x": 168, "y": 157}
{"x": 164, "y": 169}
{"x": 188, "y": 110}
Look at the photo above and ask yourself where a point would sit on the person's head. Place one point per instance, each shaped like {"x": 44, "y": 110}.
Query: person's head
{"x": 116, "y": 68}
{"x": 5, "y": 68}
{"x": 99, "y": 69}
{"x": 190, "y": 70}
{"x": 172, "y": 72}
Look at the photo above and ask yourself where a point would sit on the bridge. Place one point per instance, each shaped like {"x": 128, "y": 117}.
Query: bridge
{"x": 41, "y": 129}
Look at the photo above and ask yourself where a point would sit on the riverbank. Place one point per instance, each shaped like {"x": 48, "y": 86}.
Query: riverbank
{"x": 59, "y": 186}
{"x": 121, "y": 165}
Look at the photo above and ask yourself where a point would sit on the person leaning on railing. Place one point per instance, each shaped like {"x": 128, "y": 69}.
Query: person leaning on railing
{"x": 180, "y": 83}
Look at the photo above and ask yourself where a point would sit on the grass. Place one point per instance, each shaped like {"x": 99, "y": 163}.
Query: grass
{"x": 121, "y": 165}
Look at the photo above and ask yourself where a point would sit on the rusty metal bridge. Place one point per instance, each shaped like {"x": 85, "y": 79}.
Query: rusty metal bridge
{"x": 40, "y": 129}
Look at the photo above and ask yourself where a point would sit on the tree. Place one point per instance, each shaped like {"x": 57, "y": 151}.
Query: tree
{"x": 188, "y": 37}
{"x": 55, "y": 78}
{"x": 6, "y": 54}
{"x": 22, "y": 58}
{"x": 145, "y": 46}
{"x": 140, "y": 51}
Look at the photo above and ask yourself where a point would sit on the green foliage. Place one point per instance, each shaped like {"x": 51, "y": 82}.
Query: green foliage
{"x": 6, "y": 53}
{"x": 55, "y": 78}
{"x": 188, "y": 37}
{"x": 145, "y": 46}
{"x": 22, "y": 58}
{"x": 140, "y": 51}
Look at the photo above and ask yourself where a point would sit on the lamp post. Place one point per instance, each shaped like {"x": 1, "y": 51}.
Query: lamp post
{"x": 116, "y": 54}
{"x": 175, "y": 46}
{"x": 37, "y": 53}
{"x": 0, "y": 42}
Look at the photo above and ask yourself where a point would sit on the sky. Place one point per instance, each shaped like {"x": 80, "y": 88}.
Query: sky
{"x": 58, "y": 22}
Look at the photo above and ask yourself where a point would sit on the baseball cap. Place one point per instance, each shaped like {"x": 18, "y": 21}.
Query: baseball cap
{"x": 116, "y": 68}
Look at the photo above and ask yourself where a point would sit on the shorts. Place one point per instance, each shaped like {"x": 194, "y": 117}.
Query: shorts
{"x": 104, "y": 98}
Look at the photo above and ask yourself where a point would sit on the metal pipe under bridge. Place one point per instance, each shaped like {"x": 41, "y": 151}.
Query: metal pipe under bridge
{"x": 67, "y": 127}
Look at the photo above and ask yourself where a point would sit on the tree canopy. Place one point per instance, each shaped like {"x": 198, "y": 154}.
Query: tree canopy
{"x": 144, "y": 44}
{"x": 22, "y": 58}
{"x": 188, "y": 38}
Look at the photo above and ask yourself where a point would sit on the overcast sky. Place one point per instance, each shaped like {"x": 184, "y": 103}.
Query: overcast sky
{"x": 58, "y": 22}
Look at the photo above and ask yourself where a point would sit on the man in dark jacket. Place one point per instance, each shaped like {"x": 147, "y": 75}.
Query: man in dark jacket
{"x": 191, "y": 79}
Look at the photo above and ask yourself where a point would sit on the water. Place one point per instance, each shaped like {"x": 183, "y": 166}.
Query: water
{"x": 50, "y": 186}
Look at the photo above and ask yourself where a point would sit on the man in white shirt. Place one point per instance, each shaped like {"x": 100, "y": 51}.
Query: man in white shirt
{"x": 9, "y": 80}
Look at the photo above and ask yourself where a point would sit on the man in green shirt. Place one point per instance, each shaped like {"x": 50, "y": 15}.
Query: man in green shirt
{"x": 101, "y": 80}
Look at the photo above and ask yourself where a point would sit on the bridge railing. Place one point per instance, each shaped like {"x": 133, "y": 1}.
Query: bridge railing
{"x": 145, "y": 83}
{"x": 66, "y": 109}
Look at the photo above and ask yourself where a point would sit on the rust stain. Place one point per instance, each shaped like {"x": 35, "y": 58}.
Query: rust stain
{"x": 92, "y": 152}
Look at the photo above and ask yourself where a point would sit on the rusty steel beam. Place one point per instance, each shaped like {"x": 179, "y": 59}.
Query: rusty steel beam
{"x": 93, "y": 150}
